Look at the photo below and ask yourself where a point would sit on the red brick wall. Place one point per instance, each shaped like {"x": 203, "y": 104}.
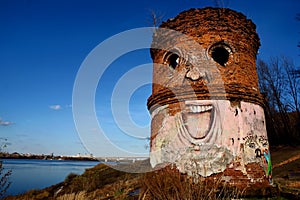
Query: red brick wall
{"x": 209, "y": 26}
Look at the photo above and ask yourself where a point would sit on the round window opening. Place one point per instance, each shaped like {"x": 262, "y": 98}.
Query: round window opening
{"x": 220, "y": 54}
{"x": 173, "y": 60}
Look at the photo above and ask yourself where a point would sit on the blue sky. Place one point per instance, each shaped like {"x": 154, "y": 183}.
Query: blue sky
{"x": 43, "y": 44}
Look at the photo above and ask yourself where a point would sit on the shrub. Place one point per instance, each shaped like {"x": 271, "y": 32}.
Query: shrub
{"x": 70, "y": 177}
{"x": 4, "y": 180}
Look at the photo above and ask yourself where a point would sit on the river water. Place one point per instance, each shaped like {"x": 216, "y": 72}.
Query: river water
{"x": 30, "y": 174}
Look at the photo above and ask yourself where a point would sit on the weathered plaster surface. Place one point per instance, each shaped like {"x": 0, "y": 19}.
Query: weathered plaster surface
{"x": 226, "y": 133}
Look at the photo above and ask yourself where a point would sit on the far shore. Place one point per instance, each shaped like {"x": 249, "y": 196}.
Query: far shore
{"x": 73, "y": 158}
{"x": 45, "y": 157}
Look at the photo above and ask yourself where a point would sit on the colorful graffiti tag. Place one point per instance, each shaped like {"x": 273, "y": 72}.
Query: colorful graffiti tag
{"x": 268, "y": 164}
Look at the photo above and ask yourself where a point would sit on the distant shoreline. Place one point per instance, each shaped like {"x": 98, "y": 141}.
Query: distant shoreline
{"x": 45, "y": 157}
{"x": 116, "y": 160}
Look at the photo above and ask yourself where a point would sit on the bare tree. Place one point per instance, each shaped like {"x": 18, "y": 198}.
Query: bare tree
{"x": 155, "y": 18}
{"x": 298, "y": 19}
{"x": 297, "y": 72}
{"x": 293, "y": 85}
{"x": 269, "y": 87}
{"x": 280, "y": 85}
{"x": 221, "y": 3}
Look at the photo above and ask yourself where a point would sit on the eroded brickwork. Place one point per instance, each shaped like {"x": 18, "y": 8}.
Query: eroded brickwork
{"x": 206, "y": 108}
{"x": 212, "y": 27}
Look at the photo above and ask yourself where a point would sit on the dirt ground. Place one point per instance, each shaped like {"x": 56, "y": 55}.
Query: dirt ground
{"x": 286, "y": 168}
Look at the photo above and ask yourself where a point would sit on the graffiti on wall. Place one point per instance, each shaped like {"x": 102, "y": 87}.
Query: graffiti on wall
{"x": 194, "y": 138}
{"x": 260, "y": 146}
{"x": 267, "y": 164}
{"x": 253, "y": 141}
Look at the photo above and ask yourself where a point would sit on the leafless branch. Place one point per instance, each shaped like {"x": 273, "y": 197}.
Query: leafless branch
{"x": 156, "y": 18}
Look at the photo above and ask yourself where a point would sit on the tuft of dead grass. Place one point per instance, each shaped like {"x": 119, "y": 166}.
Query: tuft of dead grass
{"x": 169, "y": 183}
{"x": 73, "y": 196}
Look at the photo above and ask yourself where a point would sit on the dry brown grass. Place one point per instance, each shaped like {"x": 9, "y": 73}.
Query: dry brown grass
{"x": 294, "y": 184}
{"x": 73, "y": 196}
{"x": 168, "y": 183}
{"x": 289, "y": 160}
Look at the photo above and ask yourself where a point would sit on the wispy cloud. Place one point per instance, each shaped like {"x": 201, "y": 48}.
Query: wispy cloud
{"x": 55, "y": 107}
{"x": 69, "y": 106}
{"x": 5, "y": 123}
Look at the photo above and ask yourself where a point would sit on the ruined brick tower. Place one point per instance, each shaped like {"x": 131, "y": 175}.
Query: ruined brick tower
{"x": 206, "y": 107}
